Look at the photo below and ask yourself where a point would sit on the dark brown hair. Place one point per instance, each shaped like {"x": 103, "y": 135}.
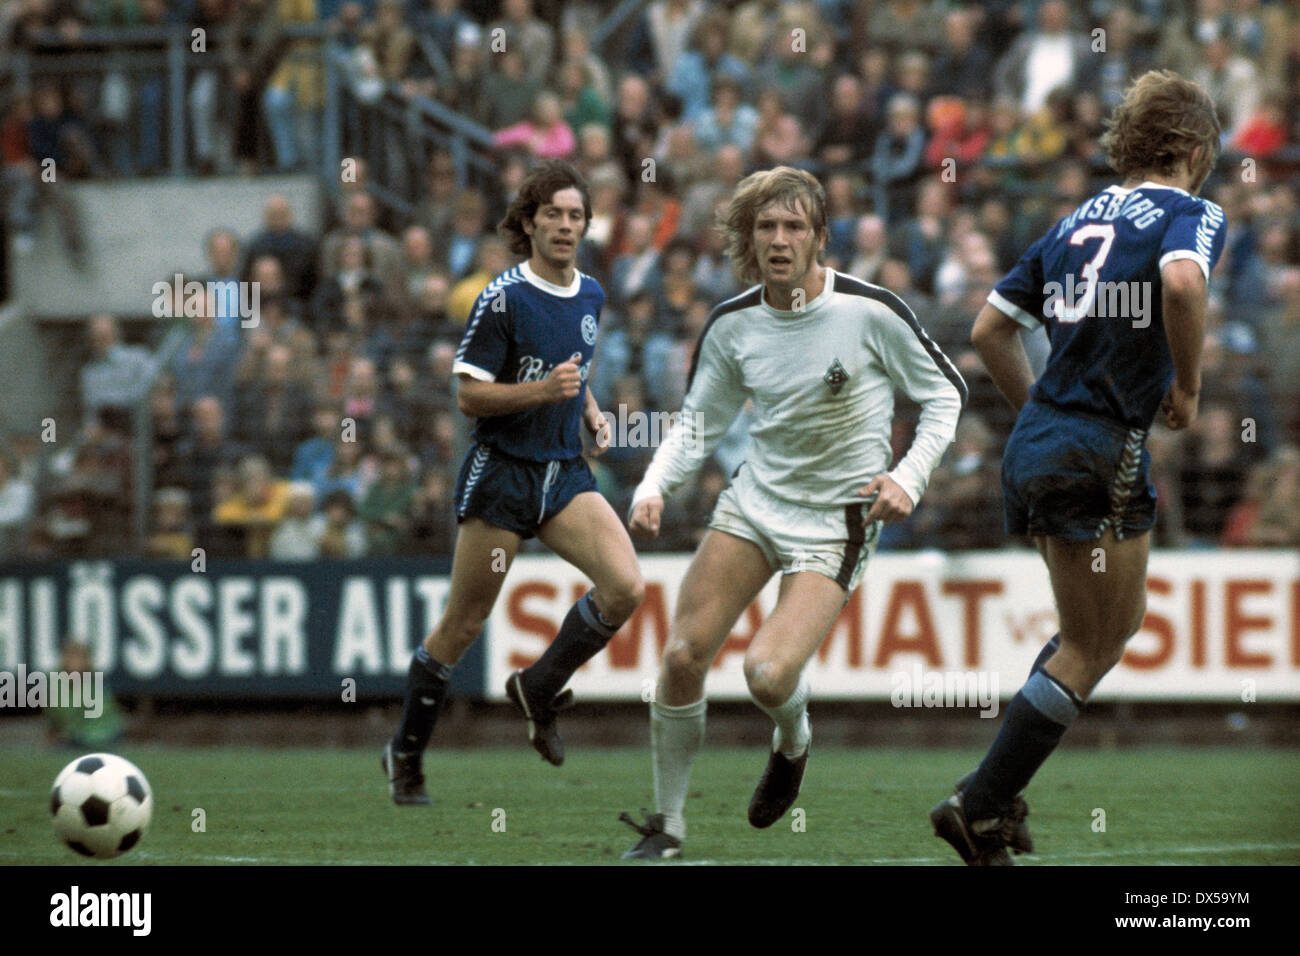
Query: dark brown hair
{"x": 547, "y": 178}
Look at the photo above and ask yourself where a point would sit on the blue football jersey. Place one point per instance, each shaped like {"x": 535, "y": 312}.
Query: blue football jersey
{"x": 1094, "y": 281}
{"x": 520, "y": 328}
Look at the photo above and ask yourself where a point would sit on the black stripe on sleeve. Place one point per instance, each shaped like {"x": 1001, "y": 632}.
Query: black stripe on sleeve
{"x": 743, "y": 301}
{"x": 852, "y": 286}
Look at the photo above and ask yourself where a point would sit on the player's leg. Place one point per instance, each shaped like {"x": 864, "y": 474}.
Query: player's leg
{"x": 1099, "y": 611}
{"x": 589, "y": 535}
{"x": 807, "y": 608}
{"x": 724, "y": 577}
{"x": 482, "y": 558}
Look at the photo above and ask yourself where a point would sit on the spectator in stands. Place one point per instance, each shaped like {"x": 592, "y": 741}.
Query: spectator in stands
{"x": 921, "y": 240}
{"x": 677, "y": 290}
{"x": 727, "y": 122}
{"x": 294, "y": 93}
{"x": 94, "y": 489}
{"x": 455, "y": 249}
{"x": 1047, "y": 58}
{"x": 257, "y": 506}
{"x": 544, "y": 135}
{"x": 507, "y": 96}
{"x": 698, "y": 67}
{"x": 1233, "y": 83}
{"x": 964, "y": 66}
{"x": 635, "y": 126}
{"x": 173, "y": 528}
{"x": 383, "y": 253}
{"x": 904, "y": 23}
{"x": 212, "y": 17}
{"x": 845, "y": 139}
{"x": 386, "y": 508}
{"x": 778, "y": 136}
{"x": 1265, "y": 132}
{"x": 1213, "y": 474}
{"x": 493, "y": 259}
{"x": 441, "y": 21}
{"x": 637, "y": 350}
{"x": 869, "y": 251}
{"x": 432, "y": 514}
{"x": 659, "y": 37}
{"x": 533, "y": 37}
{"x": 200, "y": 455}
{"x": 957, "y": 132}
{"x": 349, "y": 471}
{"x": 897, "y": 160}
{"x": 390, "y": 42}
{"x": 313, "y": 456}
{"x": 222, "y": 251}
{"x": 341, "y": 535}
{"x": 117, "y": 375}
{"x": 580, "y": 100}
{"x": 435, "y": 209}
{"x": 17, "y": 506}
{"x": 294, "y": 249}
{"x": 351, "y": 283}
{"x": 1269, "y": 514}
{"x": 206, "y": 361}
{"x": 272, "y": 410}
{"x": 1125, "y": 57}
{"x": 1280, "y": 328}
{"x": 297, "y": 536}
{"x": 637, "y": 269}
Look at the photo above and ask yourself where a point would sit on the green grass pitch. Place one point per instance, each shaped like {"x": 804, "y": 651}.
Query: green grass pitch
{"x": 504, "y": 806}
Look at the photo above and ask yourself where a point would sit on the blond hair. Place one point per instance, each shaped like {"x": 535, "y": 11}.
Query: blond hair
{"x": 783, "y": 184}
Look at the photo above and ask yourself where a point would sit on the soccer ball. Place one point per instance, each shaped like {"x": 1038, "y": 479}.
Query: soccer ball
{"x": 101, "y": 805}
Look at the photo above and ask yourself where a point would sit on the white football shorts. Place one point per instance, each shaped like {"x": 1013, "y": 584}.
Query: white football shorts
{"x": 834, "y": 541}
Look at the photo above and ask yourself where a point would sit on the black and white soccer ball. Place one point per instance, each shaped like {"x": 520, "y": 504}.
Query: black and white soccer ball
{"x": 101, "y": 805}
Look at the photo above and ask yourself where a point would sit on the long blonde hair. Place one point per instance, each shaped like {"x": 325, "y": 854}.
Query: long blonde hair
{"x": 783, "y": 184}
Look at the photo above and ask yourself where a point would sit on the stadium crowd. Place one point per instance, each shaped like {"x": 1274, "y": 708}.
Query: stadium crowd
{"x": 948, "y": 137}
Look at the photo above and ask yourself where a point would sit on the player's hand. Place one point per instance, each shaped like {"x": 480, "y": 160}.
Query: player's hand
{"x": 1179, "y": 406}
{"x": 892, "y": 502}
{"x": 645, "y": 517}
{"x": 563, "y": 382}
{"x": 601, "y": 432}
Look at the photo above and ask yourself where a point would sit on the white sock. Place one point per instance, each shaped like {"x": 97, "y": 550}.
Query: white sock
{"x": 676, "y": 734}
{"x": 793, "y": 732}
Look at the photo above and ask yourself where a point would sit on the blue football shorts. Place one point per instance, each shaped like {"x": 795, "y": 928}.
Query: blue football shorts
{"x": 514, "y": 493}
{"x": 1071, "y": 475}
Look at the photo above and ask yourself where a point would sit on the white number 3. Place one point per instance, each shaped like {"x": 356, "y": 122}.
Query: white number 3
{"x": 1083, "y": 299}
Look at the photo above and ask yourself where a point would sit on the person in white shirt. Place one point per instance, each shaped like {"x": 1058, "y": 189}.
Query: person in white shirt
{"x": 820, "y": 355}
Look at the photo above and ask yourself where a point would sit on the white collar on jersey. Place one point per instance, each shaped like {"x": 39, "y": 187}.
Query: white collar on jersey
{"x": 567, "y": 292}
{"x": 822, "y": 296}
{"x": 1148, "y": 185}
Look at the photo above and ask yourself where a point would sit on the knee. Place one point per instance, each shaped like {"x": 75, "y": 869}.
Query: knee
{"x": 769, "y": 683}
{"x": 624, "y": 598}
{"x": 682, "y": 661}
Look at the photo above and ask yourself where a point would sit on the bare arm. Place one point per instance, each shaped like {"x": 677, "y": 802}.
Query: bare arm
{"x": 480, "y": 399}
{"x": 996, "y": 337}
{"x": 1183, "y": 299}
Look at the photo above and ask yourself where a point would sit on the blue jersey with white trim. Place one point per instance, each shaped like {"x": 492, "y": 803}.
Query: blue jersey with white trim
{"x": 520, "y": 328}
{"x": 1094, "y": 281}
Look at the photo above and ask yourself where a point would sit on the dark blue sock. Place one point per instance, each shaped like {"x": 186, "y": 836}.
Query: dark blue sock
{"x": 426, "y": 692}
{"x": 582, "y": 636}
{"x": 1035, "y": 722}
{"x": 1045, "y": 655}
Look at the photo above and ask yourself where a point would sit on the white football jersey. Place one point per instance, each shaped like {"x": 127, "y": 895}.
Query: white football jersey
{"x": 822, "y": 380}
